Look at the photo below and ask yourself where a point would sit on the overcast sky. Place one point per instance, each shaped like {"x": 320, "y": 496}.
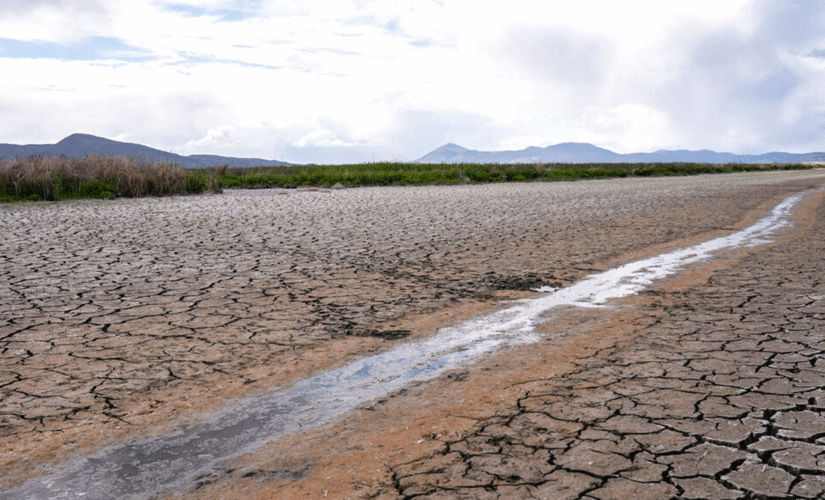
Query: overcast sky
{"x": 342, "y": 81}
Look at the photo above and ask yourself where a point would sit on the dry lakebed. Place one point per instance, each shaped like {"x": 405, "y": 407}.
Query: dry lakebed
{"x": 625, "y": 338}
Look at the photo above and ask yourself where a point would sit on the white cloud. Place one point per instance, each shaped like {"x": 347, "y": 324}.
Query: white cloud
{"x": 352, "y": 80}
{"x": 322, "y": 138}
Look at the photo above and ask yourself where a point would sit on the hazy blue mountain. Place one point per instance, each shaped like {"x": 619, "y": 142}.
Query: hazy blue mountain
{"x": 77, "y": 145}
{"x": 577, "y": 152}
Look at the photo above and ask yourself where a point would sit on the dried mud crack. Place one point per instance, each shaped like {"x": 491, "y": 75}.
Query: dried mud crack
{"x": 722, "y": 397}
{"x": 132, "y": 317}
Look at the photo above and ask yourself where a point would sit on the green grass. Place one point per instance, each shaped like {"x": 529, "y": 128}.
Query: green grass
{"x": 384, "y": 174}
{"x": 96, "y": 176}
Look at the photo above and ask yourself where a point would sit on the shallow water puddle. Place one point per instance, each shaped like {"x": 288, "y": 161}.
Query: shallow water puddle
{"x": 168, "y": 462}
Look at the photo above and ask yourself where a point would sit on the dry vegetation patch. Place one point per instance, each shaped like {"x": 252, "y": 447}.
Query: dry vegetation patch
{"x": 92, "y": 176}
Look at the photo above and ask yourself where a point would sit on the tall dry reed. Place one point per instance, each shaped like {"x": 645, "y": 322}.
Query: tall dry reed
{"x": 54, "y": 177}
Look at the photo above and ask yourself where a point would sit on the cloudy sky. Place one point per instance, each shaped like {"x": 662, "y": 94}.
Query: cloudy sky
{"x": 341, "y": 81}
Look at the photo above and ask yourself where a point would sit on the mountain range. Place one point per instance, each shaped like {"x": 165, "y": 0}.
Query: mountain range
{"x": 77, "y": 145}
{"x": 577, "y": 152}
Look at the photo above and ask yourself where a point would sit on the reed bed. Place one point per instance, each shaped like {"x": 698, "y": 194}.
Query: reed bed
{"x": 91, "y": 176}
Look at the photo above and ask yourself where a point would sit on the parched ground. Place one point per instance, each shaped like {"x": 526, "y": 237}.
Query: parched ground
{"x": 127, "y": 317}
{"x": 718, "y": 394}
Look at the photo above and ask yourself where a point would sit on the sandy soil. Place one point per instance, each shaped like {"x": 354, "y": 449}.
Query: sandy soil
{"x": 131, "y": 317}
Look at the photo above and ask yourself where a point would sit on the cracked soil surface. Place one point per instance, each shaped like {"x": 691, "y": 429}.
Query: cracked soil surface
{"x": 129, "y": 317}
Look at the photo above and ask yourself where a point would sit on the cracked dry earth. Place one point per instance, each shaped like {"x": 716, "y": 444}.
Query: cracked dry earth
{"x": 721, "y": 397}
{"x": 129, "y": 317}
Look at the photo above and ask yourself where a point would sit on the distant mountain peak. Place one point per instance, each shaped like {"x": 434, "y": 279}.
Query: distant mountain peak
{"x": 452, "y": 147}
{"x": 75, "y": 139}
{"x": 79, "y": 135}
{"x": 583, "y": 152}
{"x": 78, "y": 138}
{"x": 78, "y": 145}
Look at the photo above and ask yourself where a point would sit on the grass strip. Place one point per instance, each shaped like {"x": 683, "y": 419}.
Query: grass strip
{"x": 98, "y": 176}
{"x": 384, "y": 174}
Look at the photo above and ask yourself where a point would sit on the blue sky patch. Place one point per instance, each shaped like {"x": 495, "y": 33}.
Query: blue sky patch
{"x": 224, "y": 15}
{"x": 92, "y": 49}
